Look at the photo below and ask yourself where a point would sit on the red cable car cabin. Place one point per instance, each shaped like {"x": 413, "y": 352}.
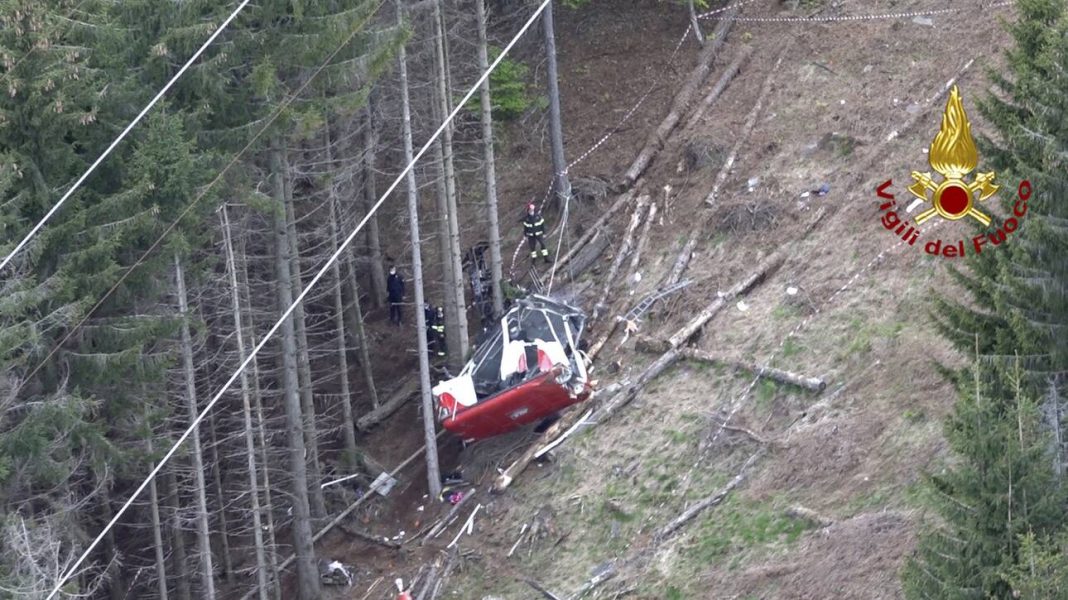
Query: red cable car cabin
{"x": 526, "y": 370}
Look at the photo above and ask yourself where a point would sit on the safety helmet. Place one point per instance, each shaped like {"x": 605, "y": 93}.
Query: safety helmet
{"x": 531, "y": 207}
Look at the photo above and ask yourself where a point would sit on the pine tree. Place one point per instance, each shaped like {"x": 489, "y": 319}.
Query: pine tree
{"x": 999, "y": 486}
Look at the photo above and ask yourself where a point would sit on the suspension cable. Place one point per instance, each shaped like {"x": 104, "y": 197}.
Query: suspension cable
{"x": 300, "y": 298}
{"x": 118, "y": 140}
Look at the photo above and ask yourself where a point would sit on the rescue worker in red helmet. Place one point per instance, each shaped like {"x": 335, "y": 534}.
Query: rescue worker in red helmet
{"x": 534, "y": 230}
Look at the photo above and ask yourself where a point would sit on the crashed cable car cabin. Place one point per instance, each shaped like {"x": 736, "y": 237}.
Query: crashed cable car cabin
{"x": 529, "y": 368}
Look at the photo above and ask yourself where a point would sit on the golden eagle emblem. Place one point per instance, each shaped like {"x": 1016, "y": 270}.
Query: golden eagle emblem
{"x": 953, "y": 155}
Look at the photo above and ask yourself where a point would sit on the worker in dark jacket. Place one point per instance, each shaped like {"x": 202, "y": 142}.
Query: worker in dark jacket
{"x": 395, "y": 289}
{"x": 534, "y": 230}
{"x": 437, "y": 331}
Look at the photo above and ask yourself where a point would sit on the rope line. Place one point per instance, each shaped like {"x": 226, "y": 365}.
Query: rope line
{"x": 118, "y": 140}
{"x": 300, "y": 298}
{"x": 847, "y": 18}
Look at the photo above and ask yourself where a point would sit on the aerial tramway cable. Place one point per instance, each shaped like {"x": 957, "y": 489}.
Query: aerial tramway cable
{"x": 118, "y": 140}
{"x": 311, "y": 284}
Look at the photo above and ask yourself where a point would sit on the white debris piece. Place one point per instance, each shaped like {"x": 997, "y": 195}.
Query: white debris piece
{"x": 923, "y": 21}
{"x": 753, "y": 183}
{"x": 742, "y": 306}
{"x": 792, "y": 291}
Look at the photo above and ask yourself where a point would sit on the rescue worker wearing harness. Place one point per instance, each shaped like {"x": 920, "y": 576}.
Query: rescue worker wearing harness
{"x": 534, "y": 230}
{"x": 438, "y": 331}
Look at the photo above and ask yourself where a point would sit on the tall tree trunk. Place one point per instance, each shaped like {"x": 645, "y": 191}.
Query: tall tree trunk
{"x": 157, "y": 532}
{"x": 370, "y": 195}
{"x": 179, "y": 556}
{"x": 496, "y": 268}
{"x": 307, "y": 401}
{"x": 307, "y": 574}
{"x": 246, "y": 411}
{"x": 220, "y": 493}
{"x": 116, "y": 582}
{"x": 207, "y": 572}
{"x": 261, "y": 425}
{"x": 561, "y": 184}
{"x": 456, "y": 332}
{"x": 432, "y": 471}
{"x": 348, "y": 426}
{"x": 357, "y": 333}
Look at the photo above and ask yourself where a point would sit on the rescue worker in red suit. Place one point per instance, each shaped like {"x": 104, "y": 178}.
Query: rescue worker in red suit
{"x": 534, "y": 230}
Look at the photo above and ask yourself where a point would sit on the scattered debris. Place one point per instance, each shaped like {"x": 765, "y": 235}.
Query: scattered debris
{"x": 519, "y": 539}
{"x": 468, "y": 527}
{"x": 334, "y": 573}
{"x": 383, "y": 484}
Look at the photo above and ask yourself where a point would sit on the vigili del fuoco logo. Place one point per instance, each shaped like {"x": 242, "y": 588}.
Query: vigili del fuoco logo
{"x": 953, "y": 156}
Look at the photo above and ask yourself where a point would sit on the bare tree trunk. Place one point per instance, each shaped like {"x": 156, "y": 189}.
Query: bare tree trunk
{"x": 207, "y": 578}
{"x": 307, "y": 402}
{"x": 307, "y": 574}
{"x": 246, "y": 408}
{"x": 358, "y": 334}
{"x": 348, "y": 427}
{"x": 224, "y": 526}
{"x": 561, "y": 185}
{"x": 496, "y": 265}
{"x": 370, "y": 196}
{"x": 455, "y": 332}
{"x": 179, "y": 555}
{"x": 257, "y": 397}
{"x": 157, "y": 533}
{"x": 432, "y": 471}
{"x": 116, "y": 582}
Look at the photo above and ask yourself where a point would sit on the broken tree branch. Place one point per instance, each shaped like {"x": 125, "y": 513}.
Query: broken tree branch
{"x": 367, "y": 537}
{"x": 540, "y": 588}
{"x": 448, "y": 517}
{"x": 649, "y": 219}
{"x": 682, "y": 101}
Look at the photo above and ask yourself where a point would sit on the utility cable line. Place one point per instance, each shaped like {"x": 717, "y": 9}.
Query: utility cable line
{"x": 300, "y": 298}
{"x": 118, "y": 140}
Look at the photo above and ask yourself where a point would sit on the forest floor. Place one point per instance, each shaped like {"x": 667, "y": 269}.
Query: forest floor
{"x": 860, "y": 320}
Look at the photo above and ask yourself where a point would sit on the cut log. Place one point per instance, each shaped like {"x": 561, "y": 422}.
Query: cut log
{"x": 706, "y": 503}
{"x": 636, "y": 258}
{"x": 621, "y": 255}
{"x": 747, "y": 129}
{"x": 595, "y": 349}
{"x": 630, "y": 392}
{"x": 594, "y": 229}
{"x": 408, "y": 389}
{"x": 814, "y": 384}
{"x": 724, "y": 80}
{"x": 769, "y": 265}
{"x": 586, "y": 258}
{"x": 682, "y": 101}
{"x": 705, "y": 225}
{"x": 569, "y": 418}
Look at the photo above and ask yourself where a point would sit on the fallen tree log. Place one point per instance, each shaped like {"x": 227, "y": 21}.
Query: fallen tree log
{"x": 814, "y": 384}
{"x": 368, "y": 537}
{"x": 708, "y": 502}
{"x": 721, "y": 85}
{"x": 595, "y": 349}
{"x": 621, "y": 255}
{"x": 681, "y": 102}
{"x": 594, "y": 229}
{"x": 650, "y": 217}
{"x": 408, "y": 389}
{"x": 566, "y": 421}
{"x": 586, "y": 258}
{"x": 683, "y": 259}
{"x": 541, "y": 589}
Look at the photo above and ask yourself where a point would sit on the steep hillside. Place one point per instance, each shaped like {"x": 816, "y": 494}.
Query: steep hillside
{"x": 827, "y": 507}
